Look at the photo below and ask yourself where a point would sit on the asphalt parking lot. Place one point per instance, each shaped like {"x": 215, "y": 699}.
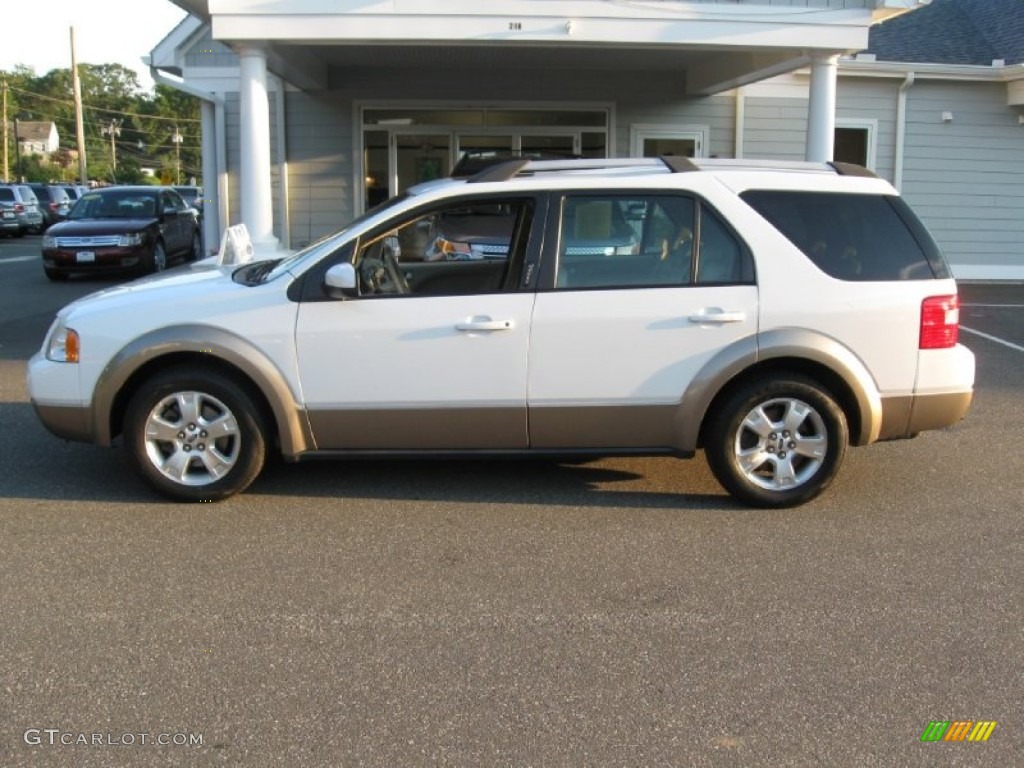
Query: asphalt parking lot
{"x": 620, "y": 612}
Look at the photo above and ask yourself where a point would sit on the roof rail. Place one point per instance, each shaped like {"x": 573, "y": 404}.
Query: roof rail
{"x": 679, "y": 163}
{"x": 852, "y": 169}
{"x": 503, "y": 171}
{"x": 511, "y": 168}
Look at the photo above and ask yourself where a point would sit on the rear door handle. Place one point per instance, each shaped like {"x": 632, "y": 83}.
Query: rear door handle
{"x": 484, "y": 324}
{"x": 716, "y": 316}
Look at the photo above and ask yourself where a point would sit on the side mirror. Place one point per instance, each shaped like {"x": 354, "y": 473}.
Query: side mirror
{"x": 341, "y": 280}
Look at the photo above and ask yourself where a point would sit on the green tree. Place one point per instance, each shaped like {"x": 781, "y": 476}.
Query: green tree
{"x": 121, "y": 122}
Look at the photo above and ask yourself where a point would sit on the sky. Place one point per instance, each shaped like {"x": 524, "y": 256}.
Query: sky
{"x": 38, "y": 34}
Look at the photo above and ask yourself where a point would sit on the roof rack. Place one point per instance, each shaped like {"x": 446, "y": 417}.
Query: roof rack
{"x": 510, "y": 169}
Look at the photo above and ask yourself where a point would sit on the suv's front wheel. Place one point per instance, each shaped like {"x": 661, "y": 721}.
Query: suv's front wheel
{"x": 195, "y": 436}
{"x": 777, "y": 442}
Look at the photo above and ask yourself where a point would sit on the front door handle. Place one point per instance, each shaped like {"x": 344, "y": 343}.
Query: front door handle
{"x": 716, "y": 316}
{"x": 484, "y": 324}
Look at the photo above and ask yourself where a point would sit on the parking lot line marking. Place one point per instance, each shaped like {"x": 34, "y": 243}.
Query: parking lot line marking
{"x": 996, "y": 339}
{"x": 18, "y": 258}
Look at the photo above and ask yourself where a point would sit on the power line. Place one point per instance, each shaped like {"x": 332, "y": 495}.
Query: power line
{"x": 104, "y": 109}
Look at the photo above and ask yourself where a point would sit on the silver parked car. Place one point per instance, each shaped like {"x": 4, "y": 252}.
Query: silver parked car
{"x": 23, "y": 202}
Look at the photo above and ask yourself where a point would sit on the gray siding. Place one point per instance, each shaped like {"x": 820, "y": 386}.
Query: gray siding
{"x": 966, "y": 178}
{"x": 872, "y": 99}
{"x": 320, "y": 170}
{"x": 718, "y": 113}
{"x": 774, "y": 128}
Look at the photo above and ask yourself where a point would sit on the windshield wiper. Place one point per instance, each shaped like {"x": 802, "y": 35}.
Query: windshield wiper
{"x": 258, "y": 272}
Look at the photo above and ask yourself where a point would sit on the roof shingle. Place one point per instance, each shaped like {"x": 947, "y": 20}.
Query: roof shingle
{"x": 953, "y": 32}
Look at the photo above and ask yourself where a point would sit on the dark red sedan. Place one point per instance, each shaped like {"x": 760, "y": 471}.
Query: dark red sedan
{"x": 133, "y": 229}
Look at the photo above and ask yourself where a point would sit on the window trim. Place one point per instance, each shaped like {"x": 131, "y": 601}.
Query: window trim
{"x": 869, "y": 124}
{"x": 638, "y": 132}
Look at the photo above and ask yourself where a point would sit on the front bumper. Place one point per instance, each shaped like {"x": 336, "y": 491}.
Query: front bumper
{"x": 53, "y": 389}
{"x": 70, "y": 422}
{"x": 110, "y": 258}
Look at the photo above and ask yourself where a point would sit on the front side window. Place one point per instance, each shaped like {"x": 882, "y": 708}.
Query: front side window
{"x": 173, "y": 201}
{"x": 464, "y": 247}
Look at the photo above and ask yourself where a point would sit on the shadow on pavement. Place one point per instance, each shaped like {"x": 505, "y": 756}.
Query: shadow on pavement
{"x": 40, "y": 466}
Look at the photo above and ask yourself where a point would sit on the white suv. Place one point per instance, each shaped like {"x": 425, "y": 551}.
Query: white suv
{"x": 770, "y": 315}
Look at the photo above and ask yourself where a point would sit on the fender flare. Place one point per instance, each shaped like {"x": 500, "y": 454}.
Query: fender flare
{"x": 780, "y": 343}
{"x": 292, "y": 425}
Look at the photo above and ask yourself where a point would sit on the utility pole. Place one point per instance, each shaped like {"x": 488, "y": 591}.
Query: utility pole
{"x": 177, "y": 138}
{"x": 17, "y": 149}
{"x": 113, "y": 128}
{"x": 83, "y": 174}
{"x": 7, "y": 168}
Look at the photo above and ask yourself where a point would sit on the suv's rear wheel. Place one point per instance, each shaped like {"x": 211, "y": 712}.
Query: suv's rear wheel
{"x": 195, "y": 436}
{"x": 776, "y": 443}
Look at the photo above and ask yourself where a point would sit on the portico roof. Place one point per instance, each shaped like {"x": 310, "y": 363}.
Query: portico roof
{"x": 711, "y": 45}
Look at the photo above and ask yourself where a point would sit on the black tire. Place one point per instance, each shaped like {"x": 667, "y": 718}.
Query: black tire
{"x": 171, "y": 440}
{"x": 777, "y": 442}
{"x": 156, "y": 260}
{"x": 55, "y": 275}
{"x": 196, "y": 251}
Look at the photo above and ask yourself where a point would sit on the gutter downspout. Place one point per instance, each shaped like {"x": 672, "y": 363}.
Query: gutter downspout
{"x": 214, "y": 157}
{"x": 281, "y": 150}
{"x": 901, "y": 131}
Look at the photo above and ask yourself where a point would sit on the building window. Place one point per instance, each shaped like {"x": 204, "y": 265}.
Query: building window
{"x": 406, "y": 146}
{"x": 658, "y": 140}
{"x": 855, "y": 142}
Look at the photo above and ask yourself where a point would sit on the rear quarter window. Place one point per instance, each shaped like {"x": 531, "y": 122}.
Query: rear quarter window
{"x": 856, "y": 237}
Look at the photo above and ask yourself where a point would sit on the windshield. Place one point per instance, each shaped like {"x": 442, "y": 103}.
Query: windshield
{"x": 311, "y": 253}
{"x": 121, "y": 204}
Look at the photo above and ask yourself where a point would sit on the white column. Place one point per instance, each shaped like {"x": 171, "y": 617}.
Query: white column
{"x": 821, "y": 108}
{"x": 211, "y": 205}
{"x": 254, "y": 175}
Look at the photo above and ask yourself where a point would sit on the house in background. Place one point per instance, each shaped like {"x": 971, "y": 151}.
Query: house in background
{"x": 314, "y": 112}
{"x": 38, "y": 138}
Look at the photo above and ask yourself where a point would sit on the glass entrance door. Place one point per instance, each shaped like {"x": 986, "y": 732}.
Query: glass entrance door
{"x": 420, "y": 157}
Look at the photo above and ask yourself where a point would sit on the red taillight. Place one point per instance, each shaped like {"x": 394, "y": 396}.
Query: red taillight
{"x": 19, "y": 208}
{"x": 940, "y": 322}
{"x": 53, "y": 206}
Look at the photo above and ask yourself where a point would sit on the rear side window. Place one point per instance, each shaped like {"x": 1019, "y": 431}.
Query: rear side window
{"x": 853, "y": 236}
{"x": 6, "y": 193}
{"x": 646, "y": 241}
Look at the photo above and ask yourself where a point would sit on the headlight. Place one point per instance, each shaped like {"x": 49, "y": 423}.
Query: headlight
{"x": 62, "y": 346}
{"x": 135, "y": 238}
{"x": 49, "y": 241}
